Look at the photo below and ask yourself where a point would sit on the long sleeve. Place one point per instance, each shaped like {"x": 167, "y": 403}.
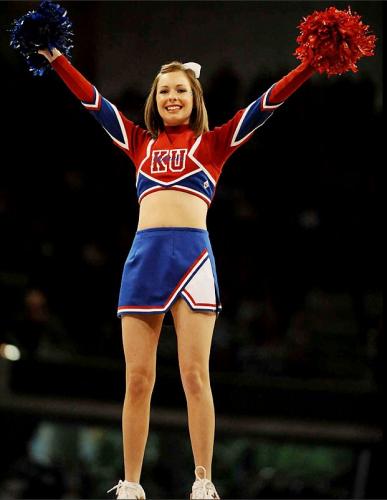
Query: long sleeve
{"x": 123, "y": 132}
{"x": 285, "y": 87}
{"x": 75, "y": 81}
{"x": 226, "y": 139}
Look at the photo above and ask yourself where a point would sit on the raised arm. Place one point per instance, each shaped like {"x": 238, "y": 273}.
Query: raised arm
{"x": 228, "y": 137}
{"x": 123, "y": 132}
{"x": 260, "y": 110}
{"x": 74, "y": 80}
{"x": 285, "y": 87}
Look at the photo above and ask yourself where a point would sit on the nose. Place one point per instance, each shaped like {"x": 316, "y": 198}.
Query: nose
{"x": 172, "y": 95}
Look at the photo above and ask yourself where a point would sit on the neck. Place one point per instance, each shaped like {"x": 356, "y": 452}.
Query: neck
{"x": 177, "y": 128}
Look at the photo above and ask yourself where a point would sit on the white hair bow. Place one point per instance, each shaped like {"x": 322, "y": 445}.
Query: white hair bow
{"x": 194, "y": 66}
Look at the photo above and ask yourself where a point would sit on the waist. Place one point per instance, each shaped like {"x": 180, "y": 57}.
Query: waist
{"x": 170, "y": 208}
{"x": 171, "y": 230}
{"x": 171, "y": 239}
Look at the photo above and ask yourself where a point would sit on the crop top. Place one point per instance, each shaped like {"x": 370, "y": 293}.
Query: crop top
{"x": 177, "y": 159}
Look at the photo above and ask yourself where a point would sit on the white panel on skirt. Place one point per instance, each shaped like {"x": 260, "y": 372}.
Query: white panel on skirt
{"x": 200, "y": 291}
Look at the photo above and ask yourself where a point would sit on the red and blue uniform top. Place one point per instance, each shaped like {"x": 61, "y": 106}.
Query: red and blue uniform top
{"x": 177, "y": 159}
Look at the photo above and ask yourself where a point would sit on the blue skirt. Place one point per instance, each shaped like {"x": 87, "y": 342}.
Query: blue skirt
{"x": 165, "y": 264}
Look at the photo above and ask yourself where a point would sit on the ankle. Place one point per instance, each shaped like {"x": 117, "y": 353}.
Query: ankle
{"x": 202, "y": 472}
{"x": 132, "y": 479}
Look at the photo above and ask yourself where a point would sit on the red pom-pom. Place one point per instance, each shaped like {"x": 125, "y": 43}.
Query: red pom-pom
{"x": 333, "y": 40}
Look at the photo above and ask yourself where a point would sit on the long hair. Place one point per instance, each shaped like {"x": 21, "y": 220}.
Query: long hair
{"x": 198, "y": 120}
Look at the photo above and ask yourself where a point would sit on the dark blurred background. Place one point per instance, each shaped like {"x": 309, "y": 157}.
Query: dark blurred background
{"x": 296, "y": 227}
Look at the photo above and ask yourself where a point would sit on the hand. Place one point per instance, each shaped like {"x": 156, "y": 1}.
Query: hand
{"x": 47, "y": 54}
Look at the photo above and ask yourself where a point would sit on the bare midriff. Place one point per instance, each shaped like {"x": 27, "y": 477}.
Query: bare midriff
{"x": 171, "y": 208}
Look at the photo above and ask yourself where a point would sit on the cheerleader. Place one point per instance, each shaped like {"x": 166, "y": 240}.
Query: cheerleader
{"x": 170, "y": 265}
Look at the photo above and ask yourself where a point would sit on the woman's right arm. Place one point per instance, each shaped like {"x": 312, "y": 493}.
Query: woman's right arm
{"x": 50, "y": 56}
{"x": 123, "y": 132}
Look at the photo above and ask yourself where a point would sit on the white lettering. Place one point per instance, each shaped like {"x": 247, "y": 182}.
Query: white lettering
{"x": 158, "y": 164}
{"x": 178, "y": 157}
{"x": 168, "y": 159}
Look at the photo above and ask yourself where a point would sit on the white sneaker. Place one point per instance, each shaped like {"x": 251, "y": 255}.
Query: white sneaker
{"x": 128, "y": 490}
{"x": 202, "y": 487}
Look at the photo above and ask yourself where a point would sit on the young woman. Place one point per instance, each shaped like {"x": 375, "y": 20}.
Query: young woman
{"x": 170, "y": 265}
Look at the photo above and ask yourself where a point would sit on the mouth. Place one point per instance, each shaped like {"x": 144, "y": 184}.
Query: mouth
{"x": 173, "y": 107}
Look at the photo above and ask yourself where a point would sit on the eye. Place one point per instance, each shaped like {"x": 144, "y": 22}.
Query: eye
{"x": 181, "y": 91}
{"x": 163, "y": 91}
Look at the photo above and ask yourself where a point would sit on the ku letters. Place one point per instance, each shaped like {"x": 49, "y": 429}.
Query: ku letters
{"x": 168, "y": 159}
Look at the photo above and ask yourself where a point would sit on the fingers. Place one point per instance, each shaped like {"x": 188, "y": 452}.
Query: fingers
{"x": 50, "y": 56}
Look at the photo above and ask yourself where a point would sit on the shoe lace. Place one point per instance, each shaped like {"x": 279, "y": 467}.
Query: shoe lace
{"x": 127, "y": 485}
{"x": 116, "y": 487}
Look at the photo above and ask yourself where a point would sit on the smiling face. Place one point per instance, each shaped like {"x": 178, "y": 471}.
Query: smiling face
{"x": 174, "y": 98}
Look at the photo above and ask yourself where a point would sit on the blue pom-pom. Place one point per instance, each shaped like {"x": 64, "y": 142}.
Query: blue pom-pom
{"x": 48, "y": 27}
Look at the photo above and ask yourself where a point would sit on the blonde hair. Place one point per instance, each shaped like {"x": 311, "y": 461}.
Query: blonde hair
{"x": 198, "y": 120}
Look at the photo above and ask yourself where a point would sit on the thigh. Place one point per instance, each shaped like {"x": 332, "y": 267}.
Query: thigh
{"x": 194, "y": 331}
{"x": 140, "y": 336}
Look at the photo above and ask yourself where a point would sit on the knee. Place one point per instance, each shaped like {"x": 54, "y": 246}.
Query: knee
{"x": 139, "y": 385}
{"x": 195, "y": 382}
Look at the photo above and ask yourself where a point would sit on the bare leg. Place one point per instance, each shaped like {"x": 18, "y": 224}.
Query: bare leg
{"x": 140, "y": 335}
{"x": 194, "y": 335}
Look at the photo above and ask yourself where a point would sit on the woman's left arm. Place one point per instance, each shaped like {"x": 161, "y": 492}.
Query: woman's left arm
{"x": 224, "y": 140}
{"x": 285, "y": 87}
{"x": 261, "y": 109}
